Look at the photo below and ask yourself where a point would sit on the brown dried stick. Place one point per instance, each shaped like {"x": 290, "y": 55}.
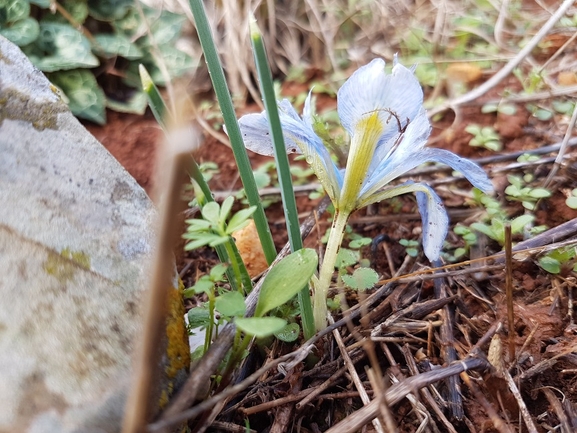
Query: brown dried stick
{"x": 147, "y": 357}
{"x": 398, "y": 391}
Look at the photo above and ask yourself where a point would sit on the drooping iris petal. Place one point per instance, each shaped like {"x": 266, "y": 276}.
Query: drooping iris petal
{"x": 394, "y": 167}
{"x": 299, "y": 137}
{"x": 433, "y": 214}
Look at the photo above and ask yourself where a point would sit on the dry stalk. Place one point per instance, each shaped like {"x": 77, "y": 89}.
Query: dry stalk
{"x": 558, "y": 408}
{"x": 520, "y": 402}
{"x": 353, "y": 373}
{"x": 425, "y": 391}
{"x": 498, "y": 423}
{"x": 147, "y": 357}
{"x": 509, "y": 292}
{"x": 400, "y": 390}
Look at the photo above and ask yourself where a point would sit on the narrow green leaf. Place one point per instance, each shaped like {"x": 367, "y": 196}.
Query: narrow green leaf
{"x": 229, "y": 116}
{"x": 286, "y": 279}
{"x": 260, "y": 326}
{"x": 155, "y": 100}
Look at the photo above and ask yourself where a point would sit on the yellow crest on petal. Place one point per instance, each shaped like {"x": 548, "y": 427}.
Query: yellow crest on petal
{"x": 367, "y": 132}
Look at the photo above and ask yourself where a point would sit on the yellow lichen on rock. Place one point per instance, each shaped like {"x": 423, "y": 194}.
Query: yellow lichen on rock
{"x": 177, "y": 349}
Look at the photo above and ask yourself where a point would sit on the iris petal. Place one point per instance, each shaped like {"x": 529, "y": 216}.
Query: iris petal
{"x": 299, "y": 137}
{"x": 433, "y": 214}
{"x": 397, "y": 97}
{"x": 396, "y": 166}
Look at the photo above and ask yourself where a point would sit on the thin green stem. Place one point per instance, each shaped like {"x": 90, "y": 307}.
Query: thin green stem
{"x": 210, "y": 327}
{"x": 233, "y": 130}
{"x": 235, "y": 266}
{"x": 328, "y": 268}
{"x": 283, "y": 169}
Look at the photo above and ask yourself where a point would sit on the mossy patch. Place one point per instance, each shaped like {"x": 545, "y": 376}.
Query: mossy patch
{"x": 63, "y": 266}
{"x": 15, "y": 105}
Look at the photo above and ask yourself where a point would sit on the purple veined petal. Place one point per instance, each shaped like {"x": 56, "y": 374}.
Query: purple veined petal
{"x": 299, "y": 137}
{"x": 432, "y": 210}
{"x": 474, "y": 174}
{"x": 255, "y": 131}
{"x": 402, "y": 145}
{"x": 397, "y": 97}
{"x": 398, "y": 165}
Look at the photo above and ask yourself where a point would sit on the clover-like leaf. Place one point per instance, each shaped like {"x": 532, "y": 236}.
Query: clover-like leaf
{"x": 361, "y": 279}
{"x": 260, "y": 326}
{"x": 231, "y": 304}
{"x": 286, "y": 279}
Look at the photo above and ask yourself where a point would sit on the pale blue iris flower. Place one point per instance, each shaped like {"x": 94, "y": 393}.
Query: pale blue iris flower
{"x": 388, "y": 126}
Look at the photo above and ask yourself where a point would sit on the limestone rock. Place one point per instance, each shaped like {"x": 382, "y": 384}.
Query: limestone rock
{"x": 76, "y": 233}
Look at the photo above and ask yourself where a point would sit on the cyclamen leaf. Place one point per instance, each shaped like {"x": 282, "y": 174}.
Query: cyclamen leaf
{"x": 22, "y": 32}
{"x": 286, "y": 279}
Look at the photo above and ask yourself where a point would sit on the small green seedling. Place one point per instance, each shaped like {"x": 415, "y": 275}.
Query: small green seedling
{"x": 496, "y": 229}
{"x": 469, "y": 237}
{"x": 501, "y": 107}
{"x": 571, "y": 201}
{"x": 562, "y": 259}
{"x": 207, "y": 283}
{"x": 361, "y": 279}
{"x": 215, "y": 227}
{"x": 411, "y": 247}
{"x": 519, "y": 190}
{"x": 484, "y": 136}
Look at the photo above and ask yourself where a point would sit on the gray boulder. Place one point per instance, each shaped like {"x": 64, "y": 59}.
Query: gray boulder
{"x": 76, "y": 235}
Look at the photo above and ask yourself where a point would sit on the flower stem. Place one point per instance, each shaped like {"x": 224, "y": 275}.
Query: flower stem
{"x": 328, "y": 268}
